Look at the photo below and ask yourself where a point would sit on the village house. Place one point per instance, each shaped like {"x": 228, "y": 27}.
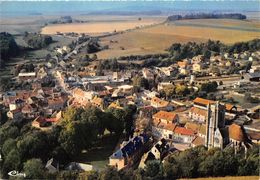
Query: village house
{"x": 254, "y": 68}
{"x": 52, "y": 165}
{"x": 162, "y": 85}
{"x": 98, "y": 102}
{"x": 29, "y": 76}
{"x": 197, "y": 59}
{"x": 30, "y": 111}
{"x": 182, "y": 64}
{"x": 42, "y": 122}
{"x": 183, "y": 135}
{"x": 82, "y": 97}
{"x": 197, "y": 114}
{"x": 168, "y": 71}
{"x": 166, "y": 117}
{"x": 129, "y": 152}
{"x": 158, "y": 152}
{"x": 56, "y": 104}
{"x": 161, "y": 104}
{"x": 148, "y": 95}
{"x": 148, "y": 73}
{"x": 164, "y": 124}
{"x": 195, "y": 127}
{"x": 17, "y": 104}
{"x": 197, "y": 67}
{"x": 15, "y": 114}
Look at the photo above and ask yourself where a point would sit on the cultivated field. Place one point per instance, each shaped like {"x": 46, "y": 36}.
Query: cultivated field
{"x": 157, "y": 38}
{"x": 101, "y": 26}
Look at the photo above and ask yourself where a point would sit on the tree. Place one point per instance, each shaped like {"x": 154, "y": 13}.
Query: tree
{"x": 130, "y": 110}
{"x": 169, "y": 90}
{"x": 117, "y": 121}
{"x": 181, "y": 90}
{"x": 8, "y": 131}
{"x": 68, "y": 175}
{"x": 89, "y": 175}
{"x": 37, "y": 41}
{"x": 154, "y": 170}
{"x": 209, "y": 86}
{"x": 8, "y": 145}
{"x": 12, "y": 161}
{"x": 80, "y": 128}
{"x": 109, "y": 173}
{"x": 8, "y": 47}
{"x": 33, "y": 144}
{"x": 140, "y": 82}
{"x": 34, "y": 169}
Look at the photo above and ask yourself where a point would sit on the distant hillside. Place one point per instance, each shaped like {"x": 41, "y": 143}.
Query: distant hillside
{"x": 125, "y": 13}
{"x": 207, "y": 16}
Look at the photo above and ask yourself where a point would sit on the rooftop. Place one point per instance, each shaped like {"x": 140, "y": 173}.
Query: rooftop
{"x": 203, "y": 101}
{"x": 184, "y": 131}
{"x": 236, "y": 132}
{"x": 169, "y": 116}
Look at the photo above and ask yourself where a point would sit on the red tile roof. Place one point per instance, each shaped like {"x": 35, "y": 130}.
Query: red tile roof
{"x": 169, "y": 116}
{"x": 184, "y": 131}
{"x": 229, "y": 107}
{"x": 159, "y": 102}
{"x": 198, "y": 111}
{"x": 203, "y": 101}
{"x": 193, "y": 126}
{"x": 236, "y": 132}
{"x": 198, "y": 141}
{"x": 169, "y": 126}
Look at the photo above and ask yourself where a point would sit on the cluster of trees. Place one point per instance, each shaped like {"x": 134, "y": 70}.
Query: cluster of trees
{"x": 37, "y": 41}
{"x": 5, "y": 84}
{"x": 207, "y": 16}
{"x": 93, "y": 46}
{"x": 191, "y": 49}
{"x": 172, "y": 91}
{"x": 239, "y": 47}
{"x": 140, "y": 82}
{"x": 81, "y": 127}
{"x": 28, "y": 67}
{"x": 200, "y": 162}
{"x": 62, "y": 20}
{"x": 191, "y": 163}
{"x": 112, "y": 64}
{"x": 209, "y": 87}
{"x": 22, "y": 145}
{"x": 8, "y": 47}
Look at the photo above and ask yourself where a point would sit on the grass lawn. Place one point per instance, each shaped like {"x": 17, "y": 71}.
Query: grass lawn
{"x": 98, "y": 156}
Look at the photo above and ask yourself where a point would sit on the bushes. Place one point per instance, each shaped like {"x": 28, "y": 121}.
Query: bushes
{"x": 191, "y": 49}
{"x": 37, "y": 41}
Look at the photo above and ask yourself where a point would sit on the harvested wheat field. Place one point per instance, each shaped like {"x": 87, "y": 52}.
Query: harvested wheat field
{"x": 157, "y": 38}
{"x": 100, "y": 27}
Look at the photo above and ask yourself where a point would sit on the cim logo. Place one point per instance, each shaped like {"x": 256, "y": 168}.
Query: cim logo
{"x": 16, "y": 174}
